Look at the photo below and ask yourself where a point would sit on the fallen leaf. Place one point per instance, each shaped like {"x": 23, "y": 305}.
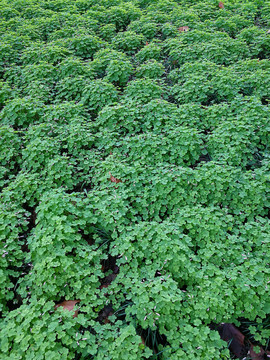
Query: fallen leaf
{"x": 113, "y": 179}
{"x": 183, "y": 28}
{"x": 68, "y": 305}
{"x": 256, "y": 356}
{"x": 221, "y": 5}
{"x": 104, "y": 286}
{"x": 143, "y": 341}
{"x": 228, "y": 332}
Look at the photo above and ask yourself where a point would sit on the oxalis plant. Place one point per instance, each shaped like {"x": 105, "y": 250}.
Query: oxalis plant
{"x": 134, "y": 180}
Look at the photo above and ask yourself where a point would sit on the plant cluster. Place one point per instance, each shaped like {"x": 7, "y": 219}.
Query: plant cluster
{"x": 134, "y": 177}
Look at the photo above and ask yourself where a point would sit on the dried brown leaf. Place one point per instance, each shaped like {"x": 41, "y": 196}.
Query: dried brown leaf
{"x": 68, "y": 305}
{"x": 228, "y": 332}
{"x": 113, "y": 179}
{"x": 256, "y": 356}
{"x": 183, "y": 28}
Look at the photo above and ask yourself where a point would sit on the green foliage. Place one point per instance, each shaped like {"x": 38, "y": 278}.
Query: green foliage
{"x": 10, "y": 152}
{"x": 21, "y": 112}
{"x": 107, "y": 32}
{"x": 223, "y": 53}
{"x": 50, "y": 53}
{"x": 232, "y": 25}
{"x": 57, "y": 251}
{"x": 151, "y": 69}
{"x": 63, "y": 112}
{"x": 70, "y": 88}
{"x": 59, "y": 336}
{"x": 84, "y": 46}
{"x": 129, "y": 42}
{"x": 103, "y": 58}
{"x": 240, "y": 141}
{"x": 7, "y": 56}
{"x": 148, "y": 52}
{"x": 98, "y": 94}
{"x": 5, "y": 93}
{"x": 220, "y": 84}
{"x": 12, "y": 224}
{"x": 122, "y": 15}
{"x": 119, "y": 72}
{"x": 73, "y": 66}
{"x": 24, "y": 76}
{"x": 136, "y": 118}
{"x": 134, "y": 177}
{"x": 183, "y": 146}
{"x": 143, "y": 26}
{"x": 143, "y": 90}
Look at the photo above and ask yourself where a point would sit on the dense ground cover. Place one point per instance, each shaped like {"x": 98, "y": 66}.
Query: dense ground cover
{"x": 134, "y": 150}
